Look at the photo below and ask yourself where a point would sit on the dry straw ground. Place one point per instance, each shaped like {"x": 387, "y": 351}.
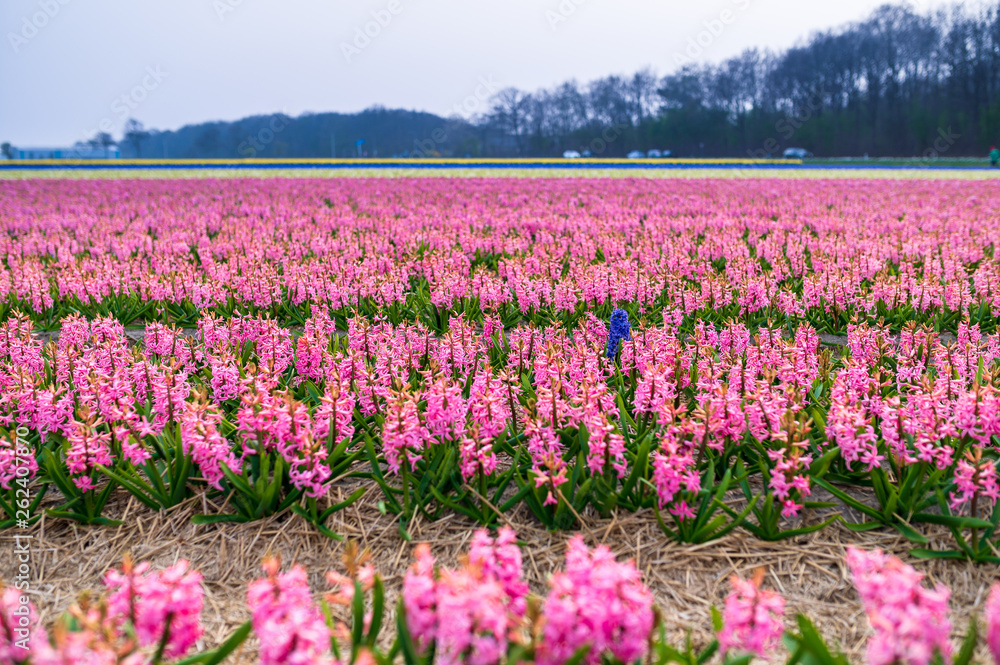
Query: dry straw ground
{"x": 68, "y": 558}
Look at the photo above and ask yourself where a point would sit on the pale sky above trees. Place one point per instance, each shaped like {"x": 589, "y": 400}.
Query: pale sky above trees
{"x": 72, "y": 67}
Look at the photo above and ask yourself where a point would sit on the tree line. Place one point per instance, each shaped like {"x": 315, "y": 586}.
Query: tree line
{"x": 898, "y": 83}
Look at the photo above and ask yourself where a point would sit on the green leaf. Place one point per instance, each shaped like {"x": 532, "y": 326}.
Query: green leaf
{"x": 911, "y": 533}
{"x": 707, "y": 652}
{"x": 850, "y": 501}
{"x": 819, "y": 420}
{"x": 953, "y": 521}
{"x": 863, "y": 526}
{"x": 717, "y": 624}
{"x": 355, "y": 495}
{"x": 791, "y": 533}
{"x": 406, "y": 645}
{"x": 922, "y": 553}
{"x": 237, "y": 481}
{"x": 53, "y": 468}
{"x": 214, "y": 519}
{"x": 968, "y": 644}
{"x": 818, "y": 467}
{"x": 816, "y": 645}
{"x": 638, "y": 468}
{"x": 578, "y": 656}
{"x": 357, "y": 615}
{"x": 739, "y": 660}
{"x": 136, "y": 487}
{"x": 378, "y": 611}
{"x": 227, "y": 647}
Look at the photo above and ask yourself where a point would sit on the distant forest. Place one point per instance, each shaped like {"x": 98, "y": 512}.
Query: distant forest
{"x": 900, "y": 83}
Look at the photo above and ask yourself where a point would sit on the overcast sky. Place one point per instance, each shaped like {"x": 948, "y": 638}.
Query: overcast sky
{"x": 69, "y": 67}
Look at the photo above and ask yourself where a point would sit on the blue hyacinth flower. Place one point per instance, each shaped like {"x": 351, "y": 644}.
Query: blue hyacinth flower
{"x": 618, "y": 331}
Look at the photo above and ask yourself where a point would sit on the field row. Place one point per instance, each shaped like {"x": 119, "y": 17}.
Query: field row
{"x": 721, "y": 429}
{"x": 596, "y": 610}
{"x": 763, "y": 252}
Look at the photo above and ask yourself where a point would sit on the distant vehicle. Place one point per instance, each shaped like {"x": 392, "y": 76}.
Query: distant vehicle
{"x": 587, "y": 153}
{"x": 654, "y": 153}
{"x": 571, "y": 154}
{"x": 636, "y": 154}
{"x": 797, "y": 153}
{"x": 667, "y": 153}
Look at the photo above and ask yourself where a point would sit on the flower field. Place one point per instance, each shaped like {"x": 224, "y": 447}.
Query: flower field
{"x": 773, "y": 361}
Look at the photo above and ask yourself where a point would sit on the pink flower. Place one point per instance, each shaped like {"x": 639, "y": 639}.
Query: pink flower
{"x": 167, "y": 600}
{"x": 752, "y": 619}
{"x": 472, "y": 621}
{"x": 682, "y": 511}
{"x": 500, "y": 558}
{"x": 598, "y": 602}
{"x": 975, "y": 478}
{"x": 20, "y": 633}
{"x": 674, "y": 473}
{"x": 88, "y": 448}
{"x": 13, "y": 458}
{"x": 403, "y": 436}
{"x": 420, "y": 599}
{"x": 201, "y": 438}
{"x": 468, "y": 612}
{"x": 910, "y": 621}
{"x": 288, "y": 624}
{"x": 993, "y": 621}
{"x": 445, "y": 410}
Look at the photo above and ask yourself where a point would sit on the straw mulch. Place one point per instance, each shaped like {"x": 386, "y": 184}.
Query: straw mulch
{"x": 687, "y": 580}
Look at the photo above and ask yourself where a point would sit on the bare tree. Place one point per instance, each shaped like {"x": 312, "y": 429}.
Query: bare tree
{"x": 134, "y": 134}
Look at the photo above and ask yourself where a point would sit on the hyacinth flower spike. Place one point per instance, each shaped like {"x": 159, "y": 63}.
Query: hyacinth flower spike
{"x": 618, "y": 331}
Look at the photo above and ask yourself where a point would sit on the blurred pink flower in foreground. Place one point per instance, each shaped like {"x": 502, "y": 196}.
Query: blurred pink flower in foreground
{"x": 752, "y": 619}
{"x": 910, "y": 621}
{"x": 993, "y": 621}
{"x": 595, "y": 601}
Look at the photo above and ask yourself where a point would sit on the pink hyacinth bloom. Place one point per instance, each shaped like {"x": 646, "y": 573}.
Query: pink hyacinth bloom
{"x": 469, "y": 612}
{"x": 21, "y": 636}
{"x": 910, "y": 621}
{"x": 290, "y": 627}
{"x": 674, "y": 472}
{"x": 88, "y": 448}
{"x": 419, "y": 597}
{"x": 201, "y": 438}
{"x": 752, "y": 619}
{"x": 500, "y": 558}
{"x": 84, "y": 647}
{"x": 598, "y": 602}
{"x": 472, "y": 622}
{"x": 404, "y": 438}
{"x": 154, "y": 602}
{"x": 993, "y": 622}
{"x": 975, "y": 478}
